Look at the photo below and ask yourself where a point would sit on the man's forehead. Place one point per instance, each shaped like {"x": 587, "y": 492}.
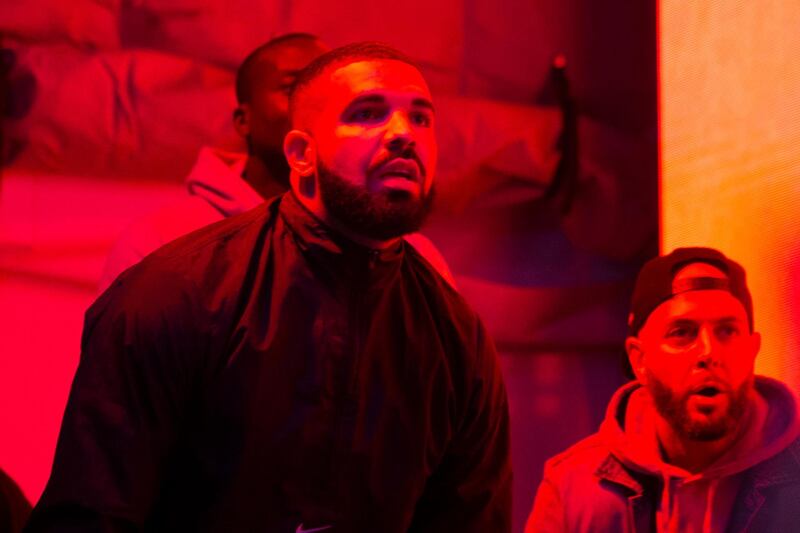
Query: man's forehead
{"x": 373, "y": 75}
{"x": 701, "y": 305}
{"x": 291, "y": 56}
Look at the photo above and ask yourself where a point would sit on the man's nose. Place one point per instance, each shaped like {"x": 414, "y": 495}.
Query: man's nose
{"x": 707, "y": 349}
{"x": 399, "y": 133}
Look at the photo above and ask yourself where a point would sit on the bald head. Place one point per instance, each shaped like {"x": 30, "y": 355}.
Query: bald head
{"x": 263, "y": 82}
{"x": 250, "y": 73}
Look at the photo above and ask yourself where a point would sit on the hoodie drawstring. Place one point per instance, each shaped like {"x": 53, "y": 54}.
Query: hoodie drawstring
{"x": 708, "y": 518}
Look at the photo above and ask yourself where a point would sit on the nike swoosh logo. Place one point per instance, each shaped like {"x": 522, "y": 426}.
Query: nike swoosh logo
{"x": 300, "y": 529}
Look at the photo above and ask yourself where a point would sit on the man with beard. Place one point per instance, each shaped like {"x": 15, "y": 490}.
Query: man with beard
{"x": 298, "y": 367}
{"x": 697, "y": 443}
{"x": 223, "y": 184}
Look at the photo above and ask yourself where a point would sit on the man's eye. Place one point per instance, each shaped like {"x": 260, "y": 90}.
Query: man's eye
{"x": 682, "y": 333}
{"x": 365, "y": 114}
{"x": 421, "y": 119}
{"x": 727, "y": 331}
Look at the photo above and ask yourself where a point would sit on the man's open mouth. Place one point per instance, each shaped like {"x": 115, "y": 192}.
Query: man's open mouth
{"x": 708, "y": 391}
{"x": 396, "y": 174}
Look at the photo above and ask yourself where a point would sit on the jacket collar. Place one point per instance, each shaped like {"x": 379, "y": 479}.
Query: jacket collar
{"x": 641, "y": 503}
{"x": 318, "y": 241}
{"x": 612, "y": 470}
{"x": 780, "y": 469}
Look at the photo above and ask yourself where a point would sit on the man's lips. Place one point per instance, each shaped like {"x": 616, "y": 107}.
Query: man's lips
{"x": 708, "y": 389}
{"x": 399, "y": 168}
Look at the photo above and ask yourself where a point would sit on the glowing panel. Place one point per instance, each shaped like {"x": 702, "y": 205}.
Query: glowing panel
{"x": 730, "y": 153}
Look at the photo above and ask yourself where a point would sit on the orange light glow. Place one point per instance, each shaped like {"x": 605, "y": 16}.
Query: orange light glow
{"x": 730, "y": 163}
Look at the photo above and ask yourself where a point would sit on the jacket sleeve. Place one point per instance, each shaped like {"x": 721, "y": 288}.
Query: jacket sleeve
{"x": 547, "y": 515}
{"x": 470, "y": 491}
{"x": 127, "y": 405}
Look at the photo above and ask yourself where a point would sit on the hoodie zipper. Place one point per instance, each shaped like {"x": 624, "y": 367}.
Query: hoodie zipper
{"x": 348, "y": 406}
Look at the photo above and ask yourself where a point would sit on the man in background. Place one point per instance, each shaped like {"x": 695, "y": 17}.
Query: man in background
{"x": 298, "y": 367}
{"x": 698, "y": 443}
{"x": 222, "y": 184}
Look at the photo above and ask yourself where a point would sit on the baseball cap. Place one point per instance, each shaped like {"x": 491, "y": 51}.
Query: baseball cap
{"x": 654, "y": 285}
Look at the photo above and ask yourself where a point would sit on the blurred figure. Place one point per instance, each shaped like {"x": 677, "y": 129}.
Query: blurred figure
{"x": 14, "y": 506}
{"x": 223, "y": 184}
{"x": 298, "y": 367}
{"x": 697, "y": 443}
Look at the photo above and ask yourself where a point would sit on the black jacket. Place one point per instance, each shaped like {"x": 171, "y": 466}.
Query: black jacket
{"x": 264, "y": 374}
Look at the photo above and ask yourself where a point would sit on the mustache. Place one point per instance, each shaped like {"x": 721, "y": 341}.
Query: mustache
{"x": 407, "y": 153}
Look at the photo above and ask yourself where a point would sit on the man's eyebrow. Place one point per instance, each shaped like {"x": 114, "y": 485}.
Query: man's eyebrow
{"x": 423, "y": 102}
{"x": 727, "y": 319}
{"x": 380, "y": 99}
{"x": 368, "y": 99}
{"x": 680, "y": 321}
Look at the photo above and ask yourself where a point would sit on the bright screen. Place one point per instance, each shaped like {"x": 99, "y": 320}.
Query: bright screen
{"x": 730, "y": 153}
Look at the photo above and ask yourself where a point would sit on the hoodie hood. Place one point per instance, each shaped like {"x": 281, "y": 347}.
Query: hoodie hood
{"x": 629, "y": 430}
{"x": 217, "y": 178}
{"x": 700, "y": 502}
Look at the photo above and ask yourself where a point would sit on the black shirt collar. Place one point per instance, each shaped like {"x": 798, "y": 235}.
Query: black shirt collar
{"x": 321, "y": 241}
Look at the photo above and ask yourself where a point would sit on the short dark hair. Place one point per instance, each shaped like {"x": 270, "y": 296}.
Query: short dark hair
{"x": 344, "y": 55}
{"x": 245, "y": 74}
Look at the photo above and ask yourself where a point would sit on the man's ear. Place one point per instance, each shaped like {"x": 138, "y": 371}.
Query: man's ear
{"x": 755, "y": 344}
{"x": 301, "y": 152}
{"x": 636, "y": 358}
{"x": 756, "y": 340}
{"x": 241, "y": 120}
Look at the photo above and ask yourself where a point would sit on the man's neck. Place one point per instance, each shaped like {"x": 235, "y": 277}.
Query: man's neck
{"x": 263, "y": 180}
{"x": 695, "y": 456}
{"x": 357, "y": 238}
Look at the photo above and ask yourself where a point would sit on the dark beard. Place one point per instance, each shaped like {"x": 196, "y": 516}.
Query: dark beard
{"x": 380, "y": 216}
{"x": 675, "y": 411}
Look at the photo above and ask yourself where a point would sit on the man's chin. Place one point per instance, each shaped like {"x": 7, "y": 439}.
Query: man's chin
{"x": 698, "y": 417}
{"x": 383, "y": 214}
{"x": 399, "y": 190}
{"x": 706, "y": 427}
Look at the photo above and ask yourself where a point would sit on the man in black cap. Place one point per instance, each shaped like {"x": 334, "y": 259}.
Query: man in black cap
{"x": 697, "y": 443}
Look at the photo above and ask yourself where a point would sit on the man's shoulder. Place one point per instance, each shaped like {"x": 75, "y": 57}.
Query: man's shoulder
{"x": 581, "y": 486}
{"x": 769, "y": 494}
{"x": 231, "y": 231}
{"x": 425, "y": 247}
{"x": 582, "y": 459}
{"x": 153, "y": 230}
{"x": 783, "y": 467}
{"x": 205, "y": 255}
{"x": 434, "y": 277}
{"x": 182, "y": 217}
